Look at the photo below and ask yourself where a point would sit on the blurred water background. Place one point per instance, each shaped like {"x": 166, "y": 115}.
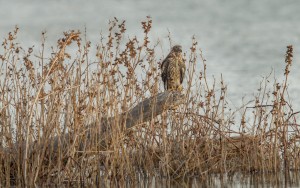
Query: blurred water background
{"x": 242, "y": 39}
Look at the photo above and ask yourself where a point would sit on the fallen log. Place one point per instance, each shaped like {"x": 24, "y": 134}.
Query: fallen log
{"x": 149, "y": 108}
{"x": 142, "y": 112}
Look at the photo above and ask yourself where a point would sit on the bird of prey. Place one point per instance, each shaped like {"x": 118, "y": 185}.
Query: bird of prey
{"x": 173, "y": 69}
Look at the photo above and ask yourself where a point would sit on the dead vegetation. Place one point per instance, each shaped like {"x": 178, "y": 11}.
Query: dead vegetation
{"x": 52, "y": 109}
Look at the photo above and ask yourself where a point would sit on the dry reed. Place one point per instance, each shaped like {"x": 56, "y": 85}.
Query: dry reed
{"x": 52, "y": 109}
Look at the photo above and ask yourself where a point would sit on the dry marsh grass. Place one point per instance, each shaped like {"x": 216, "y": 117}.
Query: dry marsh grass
{"x": 44, "y": 97}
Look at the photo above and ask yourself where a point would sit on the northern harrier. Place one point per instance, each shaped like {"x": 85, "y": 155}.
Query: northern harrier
{"x": 173, "y": 69}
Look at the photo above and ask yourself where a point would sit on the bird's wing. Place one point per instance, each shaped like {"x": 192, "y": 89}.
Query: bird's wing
{"x": 182, "y": 70}
{"x": 164, "y": 70}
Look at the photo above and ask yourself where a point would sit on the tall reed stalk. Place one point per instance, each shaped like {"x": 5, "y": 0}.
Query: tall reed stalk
{"x": 53, "y": 108}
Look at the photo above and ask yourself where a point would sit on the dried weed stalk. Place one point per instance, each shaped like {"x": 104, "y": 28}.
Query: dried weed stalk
{"x": 52, "y": 109}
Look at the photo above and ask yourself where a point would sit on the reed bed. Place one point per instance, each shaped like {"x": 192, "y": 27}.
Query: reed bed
{"x": 53, "y": 108}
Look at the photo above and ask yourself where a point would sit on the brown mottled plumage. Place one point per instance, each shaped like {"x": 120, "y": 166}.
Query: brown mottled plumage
{"x": 173, "y": 69}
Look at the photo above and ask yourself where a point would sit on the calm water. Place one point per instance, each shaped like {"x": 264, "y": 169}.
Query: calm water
{"x": 242, "y": 39}
{"x": 214, "y": 181}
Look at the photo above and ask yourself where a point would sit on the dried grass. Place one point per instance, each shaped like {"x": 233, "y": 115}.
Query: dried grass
{"x": 52, "y": 110}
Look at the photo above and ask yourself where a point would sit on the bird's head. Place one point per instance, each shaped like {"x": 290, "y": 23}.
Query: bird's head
{"x": 177, "y": 49}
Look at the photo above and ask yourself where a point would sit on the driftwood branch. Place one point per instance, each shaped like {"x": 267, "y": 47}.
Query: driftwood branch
{"x": 142, "y": 112}
{"x": 147, "y": 109}
{"x": 153, "y": 107}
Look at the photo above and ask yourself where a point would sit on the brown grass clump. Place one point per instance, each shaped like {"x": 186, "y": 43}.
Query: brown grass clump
{"x": 61, "y": 117}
